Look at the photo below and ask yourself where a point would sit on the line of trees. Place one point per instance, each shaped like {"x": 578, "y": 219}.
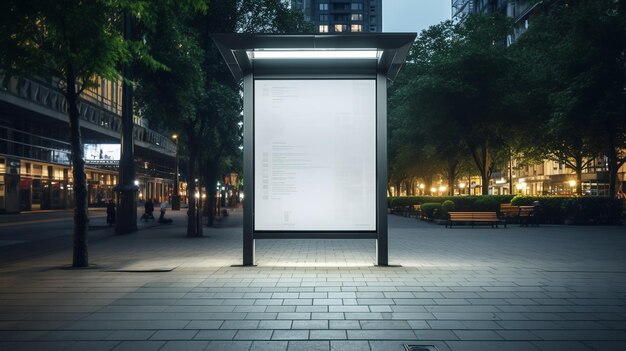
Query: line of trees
{"x": 180, "y": 82}
{"x": 466, "y": 101}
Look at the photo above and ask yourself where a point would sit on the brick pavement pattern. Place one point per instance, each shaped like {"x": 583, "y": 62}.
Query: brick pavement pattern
{"x": 460, "y": 289}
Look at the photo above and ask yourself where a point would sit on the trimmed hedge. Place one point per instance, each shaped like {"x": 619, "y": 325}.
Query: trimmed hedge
{"x": 432, "y": 210}
{"x": 461, "y": 203}
{"x": 551, "y": 209}
{"x": 576, "y": 210}
{"x": 447, "y": 206}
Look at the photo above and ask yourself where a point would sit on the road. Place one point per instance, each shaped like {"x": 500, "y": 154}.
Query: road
{"x": 31, "y": 234}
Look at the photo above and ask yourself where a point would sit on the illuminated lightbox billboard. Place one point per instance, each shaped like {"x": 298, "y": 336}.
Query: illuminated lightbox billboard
{"x": 315, "y": 155}
{"x": 102, "y": 153}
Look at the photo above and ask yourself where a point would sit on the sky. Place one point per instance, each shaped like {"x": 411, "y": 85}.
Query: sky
{"x": 413, "y": 15}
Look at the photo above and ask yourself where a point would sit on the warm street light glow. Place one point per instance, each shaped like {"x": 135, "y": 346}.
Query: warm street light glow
{"x": 442, "y": 188}
{"x": 433, "y": 189}
{"x": 462, "y": 185}
{"x": 422, "y": 186}
{"x": 314, "y": 54}
{"x": 572, "y": 183}
{"x": 174, "y": 136}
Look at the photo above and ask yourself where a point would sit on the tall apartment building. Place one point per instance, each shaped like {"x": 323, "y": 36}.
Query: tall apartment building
{"x": 342, "y": 16}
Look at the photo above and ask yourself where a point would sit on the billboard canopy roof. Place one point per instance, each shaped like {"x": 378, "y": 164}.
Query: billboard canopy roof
{"x": 363, "y": 52}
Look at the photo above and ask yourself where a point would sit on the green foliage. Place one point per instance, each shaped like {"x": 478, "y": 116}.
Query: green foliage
{"x": 461, "y": 203}
{"x": 447, "y": 206}
{"x": 593, "y": 210}
{"x": 432, "y": 210}
{"x": 572, "y": 58}
{"x": 580, "y": 210}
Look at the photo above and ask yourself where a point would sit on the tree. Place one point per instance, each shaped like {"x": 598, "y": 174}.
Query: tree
{"x": 171, "y": 97}
{"x": 73, "y": 41}
{"x": 576, "y": 51}
{"x": 457, "y": 92}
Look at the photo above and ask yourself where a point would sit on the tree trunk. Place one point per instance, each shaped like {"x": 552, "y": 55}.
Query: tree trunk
{"x": 484, "y": 173}
{"x": 452, "y": 166}
{"x": 579, "y": 181}
{"x": 81, "y": 216}
{"x": 200, "y": 209}
{"x": 191, "y": 189}
{"x": 613, "y": 164}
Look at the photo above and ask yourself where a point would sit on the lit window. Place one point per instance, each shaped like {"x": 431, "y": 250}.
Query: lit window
{"x": 356, "y": 28}
{"x": 357, "y": 6}
{"x": 341, "y": 28}
{"x": 323, "y": 28}
{"x": 323, "y": 18}
{"x": 357, "y": 17}
{"x": 323, "y": 7}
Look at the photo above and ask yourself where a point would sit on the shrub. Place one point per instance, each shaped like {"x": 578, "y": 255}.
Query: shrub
{"x": 593, "y": 210}
{"x": 432, "y": 210}
{"x": 462, "y": 203}
{"x": 587, "y": 210}
{"x": 447, "y": 206}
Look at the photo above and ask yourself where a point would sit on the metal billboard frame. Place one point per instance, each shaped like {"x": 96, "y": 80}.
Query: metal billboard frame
{"x": 392, "y": 49}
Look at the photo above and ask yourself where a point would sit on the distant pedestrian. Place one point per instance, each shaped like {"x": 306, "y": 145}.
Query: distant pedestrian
{"x": 149, "y": 209}
{"x": 162, "y": 218}
{"x": 110, "y": 212}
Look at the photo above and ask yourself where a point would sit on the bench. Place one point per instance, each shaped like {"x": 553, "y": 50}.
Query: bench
{"x": 490, "y": 218}
{"x": 524, "y": 214}
{"x": 527, "y": 216}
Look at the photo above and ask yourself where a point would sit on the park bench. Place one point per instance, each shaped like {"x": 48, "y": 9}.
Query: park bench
{"x": 490, "y": 218}
{"x": 527, "y": 216}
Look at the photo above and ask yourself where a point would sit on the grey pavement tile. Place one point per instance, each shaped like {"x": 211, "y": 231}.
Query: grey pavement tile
{"x": 248, "y": 324}
{"x": 60, "y": 335}
{"x": 427, "y": 334}
{"x": 380, "y": 334}
{"x": 269, "y": 346}
{"x": 333, "y": 334}
{"x": 204, "y": 325}
{"x": 128, "y": 335}
{"x": 581, "y": 335}
{"x": 312, "y": 308}
{"x": 490, "y": 346}
{"x": 520, "y": 335}
{"x": 282, "y": 324}
{"x": 253, "y": 335}
{"x": 333, "y": 315}
{"x": 290, "y": 335}
{"x": 309, "y": 324}
{"x": 308, "y": 346}
{"x": 35, "y": 345}
{"x": 564, "y": 346}
{"x": 477, "y": 335}
{"x": 378, "y": 324}
{"x": 139, "y": 346}
{"x": 91, "y": 346}
{"x": 174, "y": 335}
{"x": 344, "y": 324}
{"x": 229, "y": 345}
{"x": 215, "y": 335}
{"x": 607, "y": 345}
{"x": 184, "y": 346}
{"x": 349, "y": 345}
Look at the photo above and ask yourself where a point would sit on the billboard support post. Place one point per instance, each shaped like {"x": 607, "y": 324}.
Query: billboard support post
{"x": 325, "y": 58}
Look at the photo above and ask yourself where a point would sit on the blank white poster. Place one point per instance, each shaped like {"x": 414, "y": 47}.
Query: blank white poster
{"x": 315, "y": 155}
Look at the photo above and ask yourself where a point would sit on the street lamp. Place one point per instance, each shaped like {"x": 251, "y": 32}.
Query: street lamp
{"x": 176, "y": 197}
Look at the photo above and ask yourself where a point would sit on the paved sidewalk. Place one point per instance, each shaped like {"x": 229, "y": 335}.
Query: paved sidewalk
{"x": 546, "y": 288}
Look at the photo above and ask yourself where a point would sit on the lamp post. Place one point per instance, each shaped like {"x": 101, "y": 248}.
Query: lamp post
{"x": 176, "y": 197}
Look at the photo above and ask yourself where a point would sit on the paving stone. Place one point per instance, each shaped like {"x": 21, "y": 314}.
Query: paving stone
{"x": 308, "y": 346}
{"x": 269, "y": 346}
{"x": 290, "y": 335}
{"x": 183, "y": 346}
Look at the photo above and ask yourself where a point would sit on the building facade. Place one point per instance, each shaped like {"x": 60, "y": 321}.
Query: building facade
{"x": 342, "y": 16}
{"x": 35, "y": 166}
